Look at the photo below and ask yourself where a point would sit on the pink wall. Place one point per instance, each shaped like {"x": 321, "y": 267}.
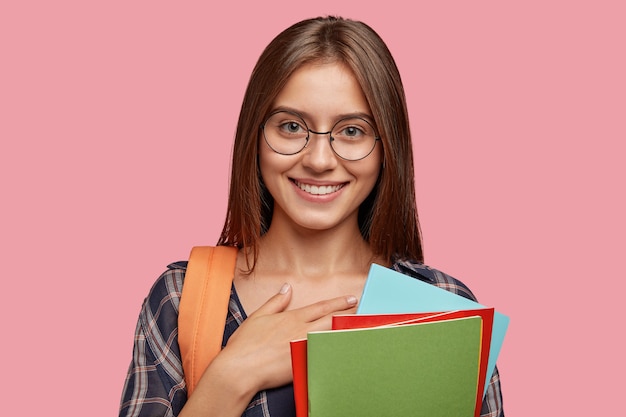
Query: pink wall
{"x": 116, "y": 124}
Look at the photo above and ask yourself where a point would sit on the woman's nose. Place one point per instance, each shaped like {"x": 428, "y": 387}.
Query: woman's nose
{"x": 319, "y": 154}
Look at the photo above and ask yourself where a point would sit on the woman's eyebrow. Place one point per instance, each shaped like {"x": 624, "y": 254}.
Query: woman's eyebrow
{"x": 307, "y": 116}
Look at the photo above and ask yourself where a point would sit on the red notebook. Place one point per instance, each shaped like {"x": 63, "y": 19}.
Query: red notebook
{"x": 356, "y": 321}
{"x": 299, "y": 369}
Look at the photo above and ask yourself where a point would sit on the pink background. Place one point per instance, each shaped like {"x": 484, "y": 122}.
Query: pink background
{"x": 116, "y": 123}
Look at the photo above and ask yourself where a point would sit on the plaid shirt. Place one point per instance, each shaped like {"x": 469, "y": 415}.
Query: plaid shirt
{"x": 155, "y": 384}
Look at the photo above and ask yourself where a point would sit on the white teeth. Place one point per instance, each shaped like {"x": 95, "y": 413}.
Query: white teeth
{"x": 318, "y": 189}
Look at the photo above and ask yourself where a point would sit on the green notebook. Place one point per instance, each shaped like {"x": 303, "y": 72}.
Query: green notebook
{"x": 426, "y": 369}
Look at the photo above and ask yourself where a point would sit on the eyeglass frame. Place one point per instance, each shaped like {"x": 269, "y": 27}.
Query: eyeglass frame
{"x": 329, "y": 133}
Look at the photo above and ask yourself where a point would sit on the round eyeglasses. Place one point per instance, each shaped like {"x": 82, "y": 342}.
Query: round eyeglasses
{"x": 287, "y": 133}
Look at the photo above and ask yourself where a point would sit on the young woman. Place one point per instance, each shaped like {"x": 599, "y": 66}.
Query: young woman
{"x": 322, "y": 186}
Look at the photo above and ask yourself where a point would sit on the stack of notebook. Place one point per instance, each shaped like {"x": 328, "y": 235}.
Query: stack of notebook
{"x": 411, "y": 349}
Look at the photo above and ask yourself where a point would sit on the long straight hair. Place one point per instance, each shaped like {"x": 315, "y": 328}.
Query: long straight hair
{"x": 388, "y": 218}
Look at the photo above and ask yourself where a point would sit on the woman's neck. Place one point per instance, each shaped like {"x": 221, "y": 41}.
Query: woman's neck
{"x": 314, "y": 254}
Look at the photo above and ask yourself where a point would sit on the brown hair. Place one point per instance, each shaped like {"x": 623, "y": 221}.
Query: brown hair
{"x": 388, "y": 217}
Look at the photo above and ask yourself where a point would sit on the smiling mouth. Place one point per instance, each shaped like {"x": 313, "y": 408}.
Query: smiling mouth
{"x": 318, "y": 189}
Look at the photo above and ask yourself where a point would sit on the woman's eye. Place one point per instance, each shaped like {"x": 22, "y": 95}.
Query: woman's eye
{"x": 292, "y": 127}
{"x": 354, "y": 128}
{"x": 352, "y": 131}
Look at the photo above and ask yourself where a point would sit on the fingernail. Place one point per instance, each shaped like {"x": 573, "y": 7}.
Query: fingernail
{"x": 351, "y": 300}
{"x": 285, "y": 288}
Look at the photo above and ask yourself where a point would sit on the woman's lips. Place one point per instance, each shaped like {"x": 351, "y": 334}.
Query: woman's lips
{"x": 316, "y": 189}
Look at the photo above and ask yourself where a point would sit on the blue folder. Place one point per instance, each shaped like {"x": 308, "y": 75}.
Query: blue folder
{"x": 387, "y": 291}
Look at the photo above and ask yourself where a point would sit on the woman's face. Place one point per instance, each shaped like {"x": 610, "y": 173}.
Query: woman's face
{"x": 315, "y": 189}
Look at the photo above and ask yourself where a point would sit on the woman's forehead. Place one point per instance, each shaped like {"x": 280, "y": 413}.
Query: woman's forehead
{"x": 322, "y": 90}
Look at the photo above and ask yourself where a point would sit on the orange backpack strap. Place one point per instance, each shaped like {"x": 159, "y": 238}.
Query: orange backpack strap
{"x": 203, "y": 308}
